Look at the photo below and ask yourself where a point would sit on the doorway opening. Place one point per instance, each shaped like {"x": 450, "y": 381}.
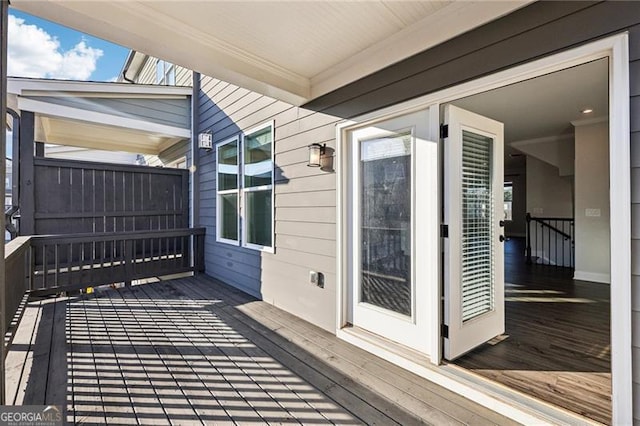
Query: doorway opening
{"x": 554, "y": 216}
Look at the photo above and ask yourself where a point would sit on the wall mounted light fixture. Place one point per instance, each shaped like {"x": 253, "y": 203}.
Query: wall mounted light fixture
{"x": 315, "y": 153}
{"x": 205, "y": 140}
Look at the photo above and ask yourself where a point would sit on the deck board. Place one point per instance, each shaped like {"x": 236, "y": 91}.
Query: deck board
{"x": 19, "y": 360}
{"x": 195, "y": 351}
{"x": 397, "y": 382}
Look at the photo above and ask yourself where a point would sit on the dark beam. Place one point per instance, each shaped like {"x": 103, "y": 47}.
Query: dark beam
{"x": 195, "y": 152}
{"x": 27, "y": 200}
{"x": 39, "y": 149}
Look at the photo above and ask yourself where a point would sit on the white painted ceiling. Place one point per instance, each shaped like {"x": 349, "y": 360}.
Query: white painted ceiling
{"x": 545, "y": 106}
{"x": 83, "y": 134}
{"x": 291, "y": 50}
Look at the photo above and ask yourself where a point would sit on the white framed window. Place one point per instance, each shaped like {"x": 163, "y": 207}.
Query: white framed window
{"x": 244, "y": 182}
{"x": 257, "y": 188}
{"x": 165, "y": 73}
{"x": 228, "y": 191}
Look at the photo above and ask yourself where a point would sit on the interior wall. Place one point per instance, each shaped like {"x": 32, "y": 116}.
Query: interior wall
{"x": 548, "y": 193}
{"x": 592, "y": 203}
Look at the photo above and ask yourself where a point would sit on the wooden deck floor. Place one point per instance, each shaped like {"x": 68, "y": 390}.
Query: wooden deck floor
{"x": 193, "y": 351}
{"x": 558, "y": 346}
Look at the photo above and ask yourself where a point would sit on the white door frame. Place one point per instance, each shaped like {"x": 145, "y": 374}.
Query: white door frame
{"x": 616, "y": 48}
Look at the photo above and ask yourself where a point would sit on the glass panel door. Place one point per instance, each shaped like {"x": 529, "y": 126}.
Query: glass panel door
{"x": 388, "y": 288}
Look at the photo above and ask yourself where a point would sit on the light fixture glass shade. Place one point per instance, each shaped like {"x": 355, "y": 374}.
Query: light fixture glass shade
{"x": 315, "y": 152}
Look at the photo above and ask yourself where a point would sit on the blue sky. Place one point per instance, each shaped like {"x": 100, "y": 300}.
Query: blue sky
{"x": 40, "y": 48}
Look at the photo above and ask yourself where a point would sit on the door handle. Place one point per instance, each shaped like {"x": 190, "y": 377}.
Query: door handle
{"x": 501, "y": 238}
{"x": 501, "y": 223}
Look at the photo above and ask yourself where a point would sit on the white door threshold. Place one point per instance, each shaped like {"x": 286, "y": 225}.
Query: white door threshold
{"x": 510, "y": 403}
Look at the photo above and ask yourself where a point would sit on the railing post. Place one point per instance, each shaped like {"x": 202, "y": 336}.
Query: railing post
{"x": 128, "y": 262}
{"x": 199, "y": 253}
{"x": 528, "y": 250}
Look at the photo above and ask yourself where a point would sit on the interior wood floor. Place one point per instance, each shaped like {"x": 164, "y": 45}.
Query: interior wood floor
{"x": 195, "y": 351}
{"x": 557, "y": 345}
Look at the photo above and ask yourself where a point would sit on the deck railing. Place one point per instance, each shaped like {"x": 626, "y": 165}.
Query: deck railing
{"x": 67, "y": 262}
{"x": 17, "y": 272}
{"x": 46, "y": 264}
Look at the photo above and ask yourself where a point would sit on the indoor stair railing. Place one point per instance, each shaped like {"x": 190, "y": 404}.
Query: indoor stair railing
{"x": 550, "y": 241}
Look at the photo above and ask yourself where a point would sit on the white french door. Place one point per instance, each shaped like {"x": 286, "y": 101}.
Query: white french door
{"x": 473, "y": 211}
{"x": 393, "y": 228}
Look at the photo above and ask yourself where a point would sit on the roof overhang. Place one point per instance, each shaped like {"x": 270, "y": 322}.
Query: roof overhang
{"x": 293, "y": 51}
{"x": 132, "y": 66}
{"x": 76, "y": 123}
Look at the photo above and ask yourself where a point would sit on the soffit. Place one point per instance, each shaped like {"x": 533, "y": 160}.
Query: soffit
{"x": 68, "y": 132}
{"x": 294, "y": 51}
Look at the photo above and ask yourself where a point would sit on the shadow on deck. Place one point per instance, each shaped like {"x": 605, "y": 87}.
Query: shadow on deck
{"x": 196, "y": 351}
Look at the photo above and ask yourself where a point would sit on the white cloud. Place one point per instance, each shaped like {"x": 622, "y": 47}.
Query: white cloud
{"x": 32, "y": 52}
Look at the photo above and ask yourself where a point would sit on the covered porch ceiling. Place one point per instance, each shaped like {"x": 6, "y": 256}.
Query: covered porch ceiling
{"x": 293, "y": 51}
{"x": 104, "y": 116}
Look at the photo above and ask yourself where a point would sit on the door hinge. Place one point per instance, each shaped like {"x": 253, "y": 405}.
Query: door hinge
{"x": 444, "y": 131}
{"x": 444, "y": 231}
{"x": 444, "y": 330}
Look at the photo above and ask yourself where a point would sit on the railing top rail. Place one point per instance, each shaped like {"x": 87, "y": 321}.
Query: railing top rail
{"x": 542, "y": 221}
{"x": 92, "y": 165}
{"x": 41, "y": 240}
{"x": 16, "y": 246}
{"x": 539, "y": 218}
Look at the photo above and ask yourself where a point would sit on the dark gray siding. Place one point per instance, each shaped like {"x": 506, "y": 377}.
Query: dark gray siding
{"x": 304, "y": 198}
{"x": 171, "y": 112}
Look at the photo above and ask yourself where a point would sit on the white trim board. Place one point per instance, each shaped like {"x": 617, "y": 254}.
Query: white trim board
{"x": 593, "y": 277}
{"x": 46, "y": 87}
{"x": 617, "y": 49}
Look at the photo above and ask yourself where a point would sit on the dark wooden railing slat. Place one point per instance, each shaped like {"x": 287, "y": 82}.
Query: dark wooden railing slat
{"x": 67, "y": 262}
{"x": 549, "y": 236}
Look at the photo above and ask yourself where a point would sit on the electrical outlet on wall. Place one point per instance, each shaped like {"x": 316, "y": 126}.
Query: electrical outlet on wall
{"x": 592, "y": 212}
